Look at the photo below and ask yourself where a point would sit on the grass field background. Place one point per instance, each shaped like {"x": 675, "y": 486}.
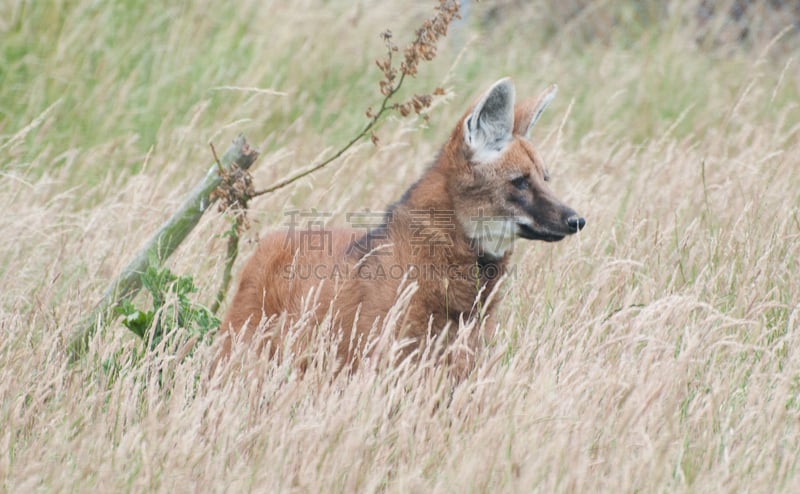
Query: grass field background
{"x": 657, "y": 351}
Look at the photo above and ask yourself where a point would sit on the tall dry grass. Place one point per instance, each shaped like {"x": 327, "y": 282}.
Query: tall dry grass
{"x": 655, "y": 352}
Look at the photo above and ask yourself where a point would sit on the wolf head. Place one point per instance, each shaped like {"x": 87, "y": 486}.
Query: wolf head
{"x": 498, "y": 181}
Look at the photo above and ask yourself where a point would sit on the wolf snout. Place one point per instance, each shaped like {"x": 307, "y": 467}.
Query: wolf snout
{"x": 575, "y": 223}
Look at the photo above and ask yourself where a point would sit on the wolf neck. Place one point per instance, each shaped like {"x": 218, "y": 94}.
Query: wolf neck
{"x": 425, "y": 217}
{"x": 426, "y": 233}
{"x": 428, "y": 193}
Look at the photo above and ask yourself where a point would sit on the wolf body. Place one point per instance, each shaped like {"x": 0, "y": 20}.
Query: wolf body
{"x": 448, "y": 240}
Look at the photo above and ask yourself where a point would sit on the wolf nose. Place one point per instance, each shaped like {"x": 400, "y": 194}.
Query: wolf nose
{"x": 576, "y": 223}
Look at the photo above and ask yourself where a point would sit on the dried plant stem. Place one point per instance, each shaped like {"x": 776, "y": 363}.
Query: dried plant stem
{"x": 423, "y": 48}
{"x": 364, "y": 132}
{"x": 230, "y": 257}
{"x": 220, "y": 168}
{"x": 162, "y": 244}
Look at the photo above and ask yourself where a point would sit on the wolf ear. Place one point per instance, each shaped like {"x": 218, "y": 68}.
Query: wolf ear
{"x": 528, "y": 112}
{"x": 488, "y": 128}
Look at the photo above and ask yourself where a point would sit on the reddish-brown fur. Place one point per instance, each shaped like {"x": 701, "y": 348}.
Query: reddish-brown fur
{"x": 429, "y": 238}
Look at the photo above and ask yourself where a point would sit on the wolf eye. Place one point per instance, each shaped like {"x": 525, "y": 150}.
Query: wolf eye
{"x": 521, "y": 183}
{"x": 546, "y": 176}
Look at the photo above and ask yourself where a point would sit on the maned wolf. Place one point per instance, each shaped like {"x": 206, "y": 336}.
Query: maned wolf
{"x": 445, "y": 244}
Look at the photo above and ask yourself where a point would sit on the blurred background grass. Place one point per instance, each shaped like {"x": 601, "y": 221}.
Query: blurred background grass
{"x": 128, "y": 76}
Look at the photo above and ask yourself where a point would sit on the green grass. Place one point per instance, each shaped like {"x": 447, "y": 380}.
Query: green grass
{"x": 655, "y": 352}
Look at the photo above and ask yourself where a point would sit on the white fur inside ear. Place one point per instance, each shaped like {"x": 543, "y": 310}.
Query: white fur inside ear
{"x": 488, "y": 129}
{"x": 485, "y": 155}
